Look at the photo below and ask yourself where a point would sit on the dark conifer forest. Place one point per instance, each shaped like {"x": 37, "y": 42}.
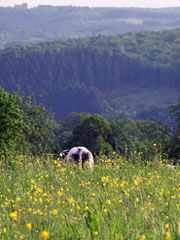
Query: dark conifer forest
{"x": 98, "y": 74}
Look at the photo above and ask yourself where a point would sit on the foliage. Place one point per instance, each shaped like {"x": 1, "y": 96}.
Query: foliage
{"x": 29, "y": 128}
{"x": 138, "y": 136}
{"x": 125, "y": 133}
{"x": 119, "y": 134}
{"x": 174, "y": 111}
{"x": 93, "y": 132}
{"x": 118, "y": 200}
{"x": 174, "y": 146}
{"x": 65, "y": 127}
{"x": 10, "y": 122}
{"x": 25, "y": 126}
{"x": 71, "y": 121}
{"x": 77, "y": 75}
{"x": 38, "y": 128}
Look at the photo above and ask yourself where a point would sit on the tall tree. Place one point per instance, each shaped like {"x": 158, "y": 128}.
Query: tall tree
{"x": 11, "y": 122}
{"x": 38, "y": 127}
{"x": 93, "y": 132}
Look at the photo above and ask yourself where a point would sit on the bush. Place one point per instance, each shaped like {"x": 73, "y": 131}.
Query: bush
{"x": 93, "y": 132}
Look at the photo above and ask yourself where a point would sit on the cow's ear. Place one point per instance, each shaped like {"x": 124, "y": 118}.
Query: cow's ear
{"x": 64, "y": 153}
{"x": 61, "y": 154}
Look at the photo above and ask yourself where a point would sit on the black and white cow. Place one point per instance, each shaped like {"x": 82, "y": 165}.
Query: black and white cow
{"x": 78, "y": 155}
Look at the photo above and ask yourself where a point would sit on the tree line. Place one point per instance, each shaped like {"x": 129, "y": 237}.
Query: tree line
{"x": 28, "y": 128}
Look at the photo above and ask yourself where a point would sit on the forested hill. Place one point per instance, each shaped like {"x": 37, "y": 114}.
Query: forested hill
{"x": 77, "y": 75}
{"x": 23, "y": 25}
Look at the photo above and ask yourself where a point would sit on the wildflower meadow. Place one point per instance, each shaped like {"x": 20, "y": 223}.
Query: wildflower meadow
{"x": 120, "y": 199}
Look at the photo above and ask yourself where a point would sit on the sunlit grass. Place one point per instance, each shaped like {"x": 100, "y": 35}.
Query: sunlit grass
{"x": 120, "y": 199}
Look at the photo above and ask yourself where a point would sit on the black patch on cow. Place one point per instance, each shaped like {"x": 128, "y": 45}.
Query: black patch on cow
{"x": 85, "y": 157}
{"x": 76, "y": 158}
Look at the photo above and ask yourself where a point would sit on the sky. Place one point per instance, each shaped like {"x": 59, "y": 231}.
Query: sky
{"x": 96, "y": 3}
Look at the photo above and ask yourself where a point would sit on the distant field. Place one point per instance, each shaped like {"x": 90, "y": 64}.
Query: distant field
{"x": 132, "y": 99}
{"x": 118, "y": 200}
{"x": 133, "y": 21}
{"x": 21, "y": 24}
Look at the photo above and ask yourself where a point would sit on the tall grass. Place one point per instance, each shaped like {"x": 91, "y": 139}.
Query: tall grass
{"x": 118, "y": 200}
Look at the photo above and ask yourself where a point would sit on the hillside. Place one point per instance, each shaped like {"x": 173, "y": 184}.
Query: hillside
{"x": 20, "y": 24}
{"x": 92, "y": 74}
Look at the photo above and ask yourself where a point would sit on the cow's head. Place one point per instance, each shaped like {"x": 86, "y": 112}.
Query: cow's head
{"x": 64, "y": 153}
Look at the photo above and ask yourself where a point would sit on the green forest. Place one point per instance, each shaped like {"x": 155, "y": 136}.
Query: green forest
{"x": 44, "y": 23}
{"x": 28, "y": 128}
{"x": 134, "y": 73}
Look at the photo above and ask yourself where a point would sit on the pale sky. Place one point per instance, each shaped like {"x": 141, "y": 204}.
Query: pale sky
{"x": 96, "y": 3}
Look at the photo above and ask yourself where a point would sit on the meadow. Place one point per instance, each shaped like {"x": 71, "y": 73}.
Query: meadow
{"x": 121, "y": 199}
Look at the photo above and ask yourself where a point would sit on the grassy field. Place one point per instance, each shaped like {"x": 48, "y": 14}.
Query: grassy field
{"x": 118, "y": 200}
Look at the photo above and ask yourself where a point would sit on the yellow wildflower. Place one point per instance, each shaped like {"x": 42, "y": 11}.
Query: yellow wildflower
{"x": 108, "y": 202}
{"x": 55, "y": 211}
{"x": 13, "y": 215}
{"x": 71, "y": 200}
{"x": 105, "y": 210}
{"x": 120, "y": 201}
{"x": 77, "y": 207}
{"x": 166, "y": 226}
{"x": 44, "y": 234}
{"x": 60, "y": 193}
{"x": 29, "y": 226}
{"x": 86, "y": 208}
{"x": 168, "y": 235}
{"x": 143, "y": 237}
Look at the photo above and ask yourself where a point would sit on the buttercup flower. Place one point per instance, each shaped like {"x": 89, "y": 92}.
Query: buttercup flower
{"x": 44, "y": 234}
{"x": 29, "y": 226}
